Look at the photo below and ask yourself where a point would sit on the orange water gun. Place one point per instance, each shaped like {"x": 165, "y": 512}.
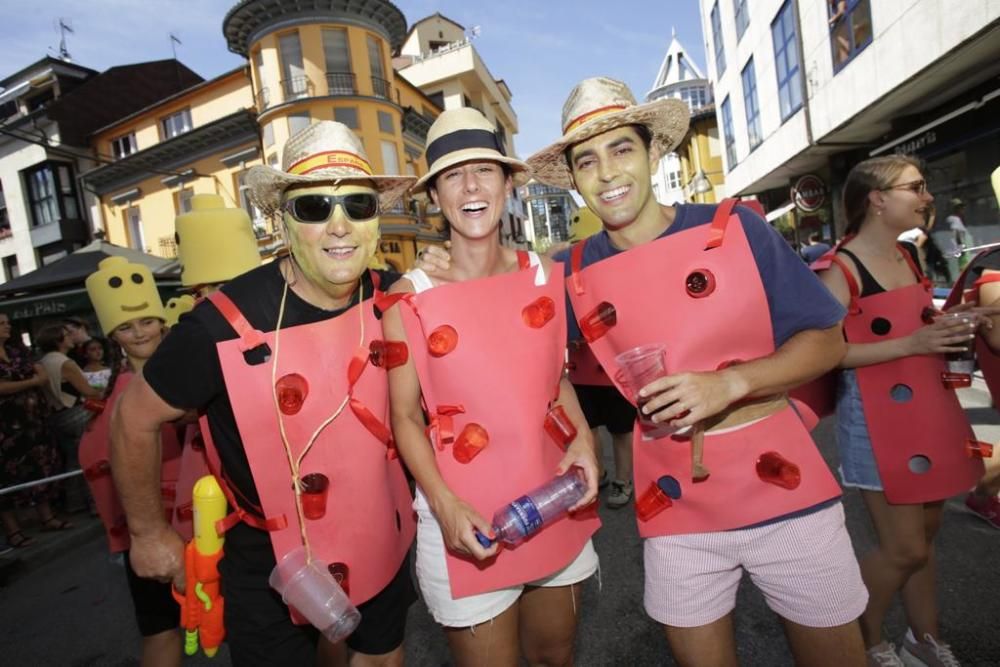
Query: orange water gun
{"x": 202, "y": 604}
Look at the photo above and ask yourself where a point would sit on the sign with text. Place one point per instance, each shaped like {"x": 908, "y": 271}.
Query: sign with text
{"x": 809, "y": 193}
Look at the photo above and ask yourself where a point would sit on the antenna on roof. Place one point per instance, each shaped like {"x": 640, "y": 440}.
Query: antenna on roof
{"x": 64, "y": 27}
{"x": 474, "y": 32}
{"x": 174, "y": 40}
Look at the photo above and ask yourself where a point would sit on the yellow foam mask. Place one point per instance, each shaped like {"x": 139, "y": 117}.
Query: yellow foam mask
{"x": 177, "y": 306}
{"x": 121, "y": 291}
{"x": 585, "y": 223}
{"x": 214, "y": 243}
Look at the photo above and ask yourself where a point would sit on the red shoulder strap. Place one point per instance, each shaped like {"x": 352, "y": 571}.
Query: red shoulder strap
{"x": 921, "y": 278}
{"x": 576, "y": 265}
{"x": 249, "y": 336}
{"x": 717, "y": 229}
{"x": 852, "y": 285}
{"x": 523, "y": 260}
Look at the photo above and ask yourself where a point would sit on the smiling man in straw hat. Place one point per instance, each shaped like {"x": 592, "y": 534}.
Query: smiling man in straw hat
{"x": 277, "y": 363}
{"x": 739, "y": 484}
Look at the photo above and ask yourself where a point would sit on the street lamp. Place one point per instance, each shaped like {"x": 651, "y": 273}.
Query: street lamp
{"x": 700, "y": 183}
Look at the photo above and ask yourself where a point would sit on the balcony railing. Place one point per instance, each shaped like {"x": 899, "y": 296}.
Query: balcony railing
{"x": 296, "y": 87}
{"x": 381, "y": 88}
{"x": 341, "y": 83}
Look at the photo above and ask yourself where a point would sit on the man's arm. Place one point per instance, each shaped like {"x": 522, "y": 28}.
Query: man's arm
{"x": 806, "y": 355}
{"x": 157, "y": 551}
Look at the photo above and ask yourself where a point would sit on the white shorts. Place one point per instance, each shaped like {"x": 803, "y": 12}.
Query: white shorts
{"x": 435, "y": 587}
{"x": 804, "y": 566}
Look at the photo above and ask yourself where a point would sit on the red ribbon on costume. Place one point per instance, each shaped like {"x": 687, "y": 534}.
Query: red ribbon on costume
{"x": 441, "y": 430}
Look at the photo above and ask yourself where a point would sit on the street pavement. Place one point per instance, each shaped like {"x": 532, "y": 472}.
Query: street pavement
{"x": 67, "y": 603}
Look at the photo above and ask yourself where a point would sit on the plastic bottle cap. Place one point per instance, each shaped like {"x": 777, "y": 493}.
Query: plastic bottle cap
{"x": 484, "y": 541}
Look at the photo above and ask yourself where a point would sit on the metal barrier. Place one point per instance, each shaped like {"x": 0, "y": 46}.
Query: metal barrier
{"x": 38, "y": 482}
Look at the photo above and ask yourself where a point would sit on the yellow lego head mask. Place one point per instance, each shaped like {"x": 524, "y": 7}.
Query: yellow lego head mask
{"x": 214, "y": 243}
{"x": 121, "y": 291}
{"x": 585, "y": 223}
{"x": 177, "y": 306}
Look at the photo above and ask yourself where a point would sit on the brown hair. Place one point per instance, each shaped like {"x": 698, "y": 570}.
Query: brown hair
{"x": 876, "y": 173}
{"x": 49, "y": 337}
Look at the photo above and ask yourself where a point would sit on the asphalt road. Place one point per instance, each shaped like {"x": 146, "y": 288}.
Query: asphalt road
{"x": 75, "y": 610}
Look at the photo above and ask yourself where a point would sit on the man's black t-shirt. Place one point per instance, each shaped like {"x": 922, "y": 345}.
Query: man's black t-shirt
{"x": 186, "y": 373}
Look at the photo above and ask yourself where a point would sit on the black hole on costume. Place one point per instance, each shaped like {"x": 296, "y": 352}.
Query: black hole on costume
{"x": 399, "y": 523}
{"x": 258, "y": 355}
{"x": 901, "y": 393}
{"x": 115, "y": 282}
{"x": 697, "y": 282}
{"x": 137, "y": 278}
{"x": 919, "y": 464}
{"x": 881, "y": 326}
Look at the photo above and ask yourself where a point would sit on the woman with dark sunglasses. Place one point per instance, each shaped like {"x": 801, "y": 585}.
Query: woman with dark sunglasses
{"x": 903, "y": 437}
{"x": 487, "y": 343}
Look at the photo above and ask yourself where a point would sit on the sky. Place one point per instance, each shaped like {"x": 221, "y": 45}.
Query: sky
{"x": 541, "y": 48}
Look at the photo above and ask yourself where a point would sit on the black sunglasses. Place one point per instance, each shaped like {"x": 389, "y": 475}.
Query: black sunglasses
{"x": 358, "y": 206}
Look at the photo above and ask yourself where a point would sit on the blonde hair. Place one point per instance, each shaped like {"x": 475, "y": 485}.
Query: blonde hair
{"x": 876, "y": 173}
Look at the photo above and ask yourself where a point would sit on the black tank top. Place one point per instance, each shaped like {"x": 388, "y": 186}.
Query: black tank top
{"x": 869, "y": 286}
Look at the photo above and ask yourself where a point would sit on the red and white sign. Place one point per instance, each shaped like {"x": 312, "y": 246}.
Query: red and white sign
{"x": 809, "y": 193}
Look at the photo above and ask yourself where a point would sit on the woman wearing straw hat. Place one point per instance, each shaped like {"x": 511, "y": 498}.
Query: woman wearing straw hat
{"x": 131, "y": 313}
{"x": 741, "y": 319}
{"x": 276, "y": 362}
{"x": 490, "y": 375}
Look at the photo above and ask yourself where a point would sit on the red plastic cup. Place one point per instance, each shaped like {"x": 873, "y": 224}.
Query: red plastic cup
{"x": 652, "y": 501}
{"x": 559, "y": 427}
{"x": 598, "y": 321}
{"x": 94, "y": 405}
{"x": 340, "y": 573}
{"x": 442, "y": 340}
{"x": 952, "y": 380}
{"x": 699, "y": 283}
{"x": 976, "y": 449}
{"x": 388, "y": 354}
{"x": 315, "y": 489}
{"x": 292, "y": 392}
{"x": 470, "y": 442}
{"x": 538, "y": 313}
{"x": 774, "y": 468}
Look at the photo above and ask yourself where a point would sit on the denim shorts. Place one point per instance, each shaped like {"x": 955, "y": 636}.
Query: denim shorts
{"x": 857, "y": 460}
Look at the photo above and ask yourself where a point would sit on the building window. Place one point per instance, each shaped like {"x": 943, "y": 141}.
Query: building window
{"x": 4, "y": 217}
{"x": 720, "y": 52}
{"x": 742, "y": 17}
{"x": 390, "y": 158}
{"x": 674, "y": 179}
{"x": 294, "y": 83}
{"x": 339, "y": 74}
{"x": 10, "y": 267}
{"x": 750, "y": 104}
{"x": 348, "y": 116}
{"x": 133, "y": 227}
{"x": 123, "y": 146}
{"x": 850, "y": 29}
{"x": 297, "y": 122}
{"x": 438, "y": 100}
{"x": 380, "y": 87}
{"x": 385, "y": 123}
{"x": 256, "y": 217}
{"x": 727, "y": 133}
{"x": 264, "y": 96}
{"x": 176, "y": 124}
{"x": 182, "y": 200}
{"x": 51, "y": 190}
{"x": 786, "y": 61}
{"x": 268, "y": 135}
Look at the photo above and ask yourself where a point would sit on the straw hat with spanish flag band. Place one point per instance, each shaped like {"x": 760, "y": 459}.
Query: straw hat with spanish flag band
{"x": 324, "y": 152}
{"x": 598, "y": 105}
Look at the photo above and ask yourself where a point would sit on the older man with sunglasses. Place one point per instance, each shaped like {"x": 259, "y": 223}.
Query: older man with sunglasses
{"x": 277, "y": 364}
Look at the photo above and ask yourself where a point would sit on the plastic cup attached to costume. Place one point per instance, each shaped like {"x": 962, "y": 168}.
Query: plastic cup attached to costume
{"x": 315, "y": 489}
{"x": 559, "y": 427}
{"x": 656, "y": 498}
{"x": 598, "y": 321}
{"x": 774, "y": 468}
{"x": 640, "y": 366}
{"x": 312, "y": 591}
{"x": 964, "y": 362}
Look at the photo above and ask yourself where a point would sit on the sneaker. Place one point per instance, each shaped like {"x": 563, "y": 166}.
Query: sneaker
{"x": 927, "y": 653}
{"x": 621, "y": 493}
{"x": 883, "y": 654}
{"x": 986, "y": 508}
{"x": 603, "y": 481}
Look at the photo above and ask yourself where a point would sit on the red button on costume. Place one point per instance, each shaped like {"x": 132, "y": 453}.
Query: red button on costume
{"x": 701, "y": 332}
{"x": 916, "y": 425}
{"x": 94, "y": 456}
{"x": 368, "y": 523}
{"x": 502, "y": 374}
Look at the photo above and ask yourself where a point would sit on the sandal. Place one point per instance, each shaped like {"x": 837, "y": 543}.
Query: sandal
{"x": 17, "y": 540}
{"x": 52, "y": 524}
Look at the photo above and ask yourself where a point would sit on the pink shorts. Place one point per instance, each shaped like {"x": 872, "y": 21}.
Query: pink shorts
{"x": 805, "y": 567}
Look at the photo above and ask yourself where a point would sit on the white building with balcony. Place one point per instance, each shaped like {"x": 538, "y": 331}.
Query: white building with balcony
{"x": 681, "y": 78}
{"x": 812, "y": 88}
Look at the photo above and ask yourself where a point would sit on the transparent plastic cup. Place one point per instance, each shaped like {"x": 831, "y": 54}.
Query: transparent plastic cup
{"x": 640, "y": 366}
{"x": 964, "y": 362}
{"x": 312, "y": 591}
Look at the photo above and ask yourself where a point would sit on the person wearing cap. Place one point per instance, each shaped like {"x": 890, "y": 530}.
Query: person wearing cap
{"x": 740, "y": 486}
{"x": 131, "y": 313}
{"x": 277, "y": 364}
{"x": 486, "y": 341}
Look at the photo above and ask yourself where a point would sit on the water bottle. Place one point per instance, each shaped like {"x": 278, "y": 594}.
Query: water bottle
{"x": 525, "y": 516}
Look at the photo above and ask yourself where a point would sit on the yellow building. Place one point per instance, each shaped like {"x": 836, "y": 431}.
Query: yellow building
{"x": 333, "y": 61}
{"x": 701, "y": 159}
{"x": 198, "y": 141}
